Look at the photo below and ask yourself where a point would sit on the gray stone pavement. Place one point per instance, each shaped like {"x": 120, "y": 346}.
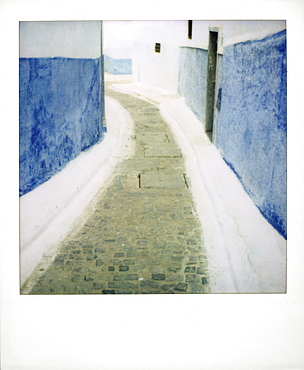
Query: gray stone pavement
{"x": 142, "y": 235}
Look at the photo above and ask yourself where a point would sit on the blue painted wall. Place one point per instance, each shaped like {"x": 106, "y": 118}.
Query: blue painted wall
{"x": 251, "y": 128}
{"x": 193, "y": 79}
{"x": 250, "y": 123}
{"x": 117, "y": 66}
{"x": 61, "y": 108}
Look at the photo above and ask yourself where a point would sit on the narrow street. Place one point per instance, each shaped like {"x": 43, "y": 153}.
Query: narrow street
{"x": 142, "y": 235}
{"x": 146, "y": 225}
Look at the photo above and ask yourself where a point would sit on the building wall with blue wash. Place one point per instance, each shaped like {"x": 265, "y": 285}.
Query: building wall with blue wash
{"x": 251, "y": 132}
{"x": 117, "y": 66}
{"x": 250, "y": 114}
{"x": 193, "y": 79}
{"x": 61, "y": 98}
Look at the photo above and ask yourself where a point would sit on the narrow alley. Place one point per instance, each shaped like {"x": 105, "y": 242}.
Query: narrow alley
{"x": 145, "y": 185}
{"x": 153, "y": 164}
{"x": 142, "y": 235}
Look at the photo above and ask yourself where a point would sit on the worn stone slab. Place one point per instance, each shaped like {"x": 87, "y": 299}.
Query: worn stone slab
{"x": 163, "y": 151}
{"x": 148, "y": 180}
{"x": 147, "y": 138}
{"x": 170, "y": 164}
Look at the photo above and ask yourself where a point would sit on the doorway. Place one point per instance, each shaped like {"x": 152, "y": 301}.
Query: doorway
{"x": 211, "y": 81}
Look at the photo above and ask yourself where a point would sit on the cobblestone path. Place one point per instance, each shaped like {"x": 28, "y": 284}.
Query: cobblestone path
{"x": 142, "y": 235}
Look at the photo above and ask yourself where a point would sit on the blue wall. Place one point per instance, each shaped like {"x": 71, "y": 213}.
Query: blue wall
{"x": 117, "y": 66}
{"x": 193, "y": 79}
{"x": 251, "y": 128}
{"x": 61, "y": 107}
{"x": 250, "y": 124}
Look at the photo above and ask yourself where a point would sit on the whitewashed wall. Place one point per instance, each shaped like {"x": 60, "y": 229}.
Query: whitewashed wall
{"x": 60, "y": 39}
{"x": 250, "y": 125}
{"x": 61, "y": 106}
{"x": 157, "y": 69}
{"x": 161, "y": 70}
{"x": 232, "y": 31}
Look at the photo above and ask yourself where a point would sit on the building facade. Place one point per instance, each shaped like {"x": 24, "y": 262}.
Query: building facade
{"x": 233, "y": 76}
{"x": 61, "y": 96}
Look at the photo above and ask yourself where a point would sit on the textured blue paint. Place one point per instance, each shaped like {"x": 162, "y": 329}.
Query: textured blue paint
{"x": 251, "y": 125}
{"x": 193, "y": 79}
{"x": 218, "y": 94}
{"x": 61, "y": 107}
{"x": 117, "y": 66}
{"x": 108, "y": 64}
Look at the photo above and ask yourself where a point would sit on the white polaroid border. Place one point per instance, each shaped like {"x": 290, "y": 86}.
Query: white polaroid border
{"x": 149, "y": 332}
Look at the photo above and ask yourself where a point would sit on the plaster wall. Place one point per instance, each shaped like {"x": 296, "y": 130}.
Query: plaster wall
{"x": 157, "y": 69}
{"x": 61, "y": 96}
{"x": 193, "y": 79}
{"x": 117, "y": 66}
{"x": 60, "y": 39}
{"x": 252, "y": 125}
{"x": 241, "y": 31}
{"x": 231, "y": 32}
{"x": 250, "y": 105}
{"x": 162, "y": 69}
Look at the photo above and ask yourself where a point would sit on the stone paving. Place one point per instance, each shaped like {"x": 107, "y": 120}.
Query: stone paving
{"x": 142, "y": 235}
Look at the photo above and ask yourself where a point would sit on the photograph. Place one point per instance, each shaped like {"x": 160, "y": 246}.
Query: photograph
{"x": 153, "y": 157}
{"x": 152, "y": 202}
